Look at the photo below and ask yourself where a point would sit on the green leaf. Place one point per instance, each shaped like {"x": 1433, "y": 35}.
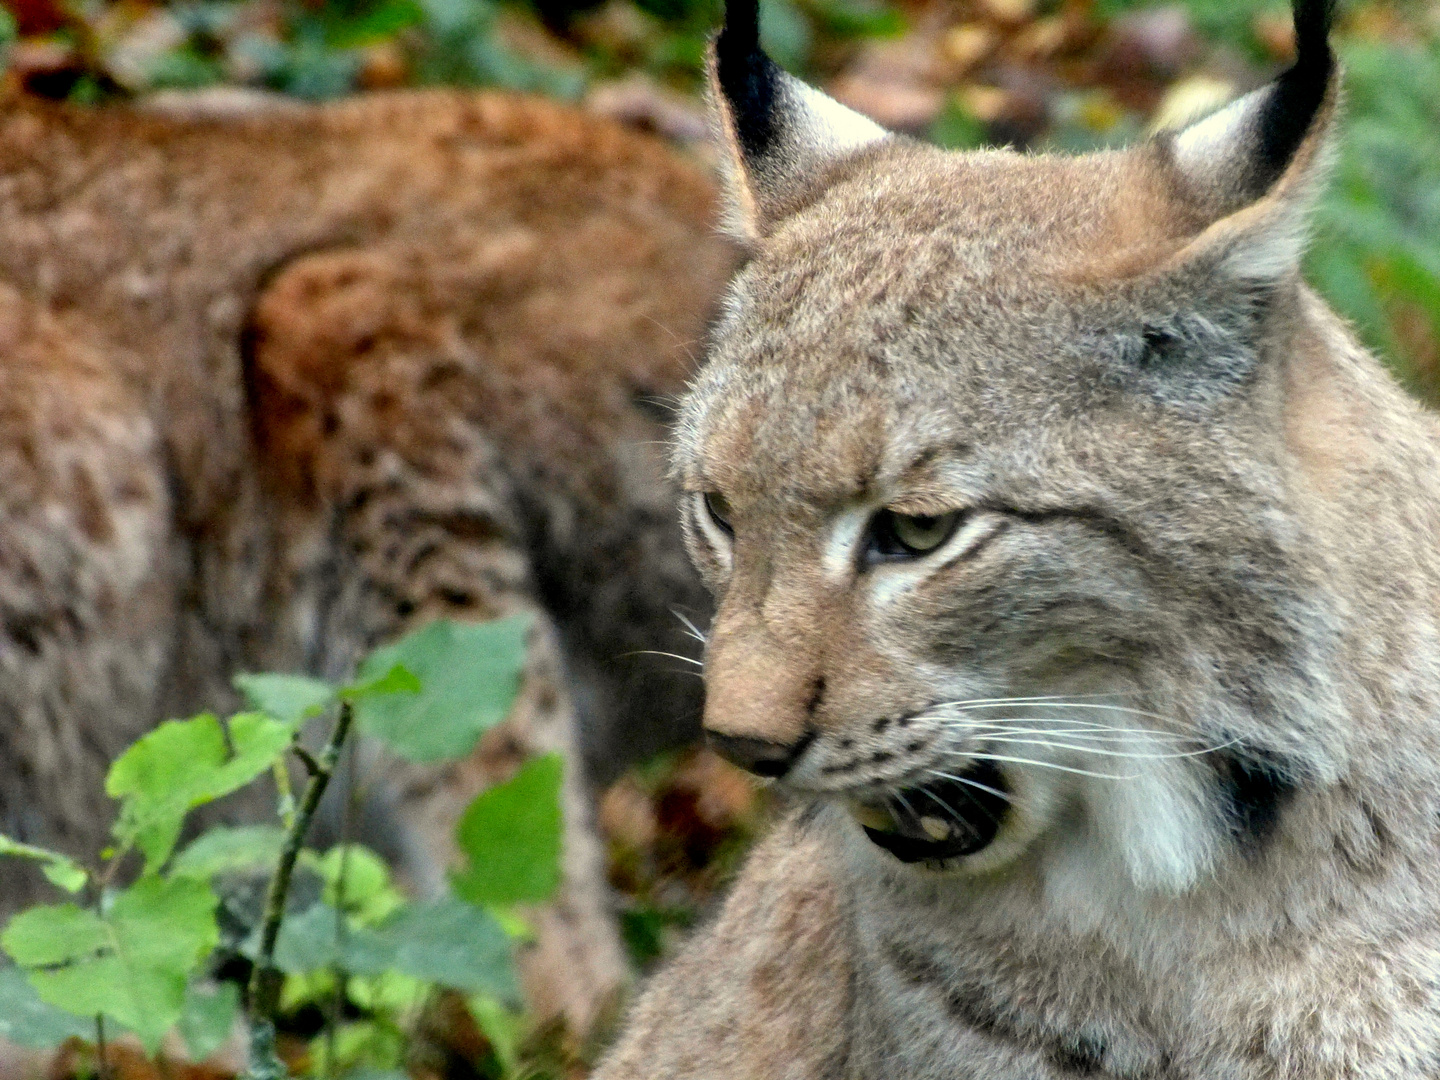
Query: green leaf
{"x": 389, "y": 992}
{"x": 786, "y": 34}
{"x": 65, "y": 875}
{"x": 183, "y": 764}
{"x": 470, "y": 673}
{"x": 503, "y": 1026}
{"x": 27, "y": 1020}
{"x": 446, "y": 941}
{"x": 368, "y": 893}
{"x": 858, "y": 18}
{"x": 59, "y": 869}
{"x": 311, "y": 941}
{"x": 454, "y": 944}
{"x": 54, "y": 934}
{"x": 385, "y": 19}
{"x": 364, "y": 1050}
{"x": 956, "y": 128}
{"x": 511, "y": 837}
{"x": 131, "y": 964}
{"x": 229, "y": 847}
{"x": 208, "y": 1016}
{"x": 291, "y": 699}
{"x": 398, "y": 680}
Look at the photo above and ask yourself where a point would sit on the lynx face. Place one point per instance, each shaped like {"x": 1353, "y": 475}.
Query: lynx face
{"x": 989, "y": 472}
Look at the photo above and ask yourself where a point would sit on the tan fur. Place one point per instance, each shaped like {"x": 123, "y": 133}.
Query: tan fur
{"x": 1189, "y": 615}
{"x": 280, "y": 382}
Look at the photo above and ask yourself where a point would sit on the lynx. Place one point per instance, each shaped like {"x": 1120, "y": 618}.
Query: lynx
{"x": 1078, "y": 577}
{"x": 278, "y": 382}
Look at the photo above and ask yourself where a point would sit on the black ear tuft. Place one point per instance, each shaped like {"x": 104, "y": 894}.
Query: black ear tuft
{"x": 1298, "y": 93}
{"x": 777, "y": 135}
{"x": 747, "y": 77}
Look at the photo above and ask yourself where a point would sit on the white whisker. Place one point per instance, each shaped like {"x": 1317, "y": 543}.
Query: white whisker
{"x": 1036, "y": 699}
{"x": 1160, "y": 740}
{"x": 906, "y": 803}
{"x": 1004, "y": 759}
{"x": 657, "y": 652}
{"x": 1053, "y": 728}
{"x": 695, "y": 631}
{"x": 952, "y": 811}
{"x": 971, "y": 783}
{"x": 955, "y": 813}
{"x": 1050, "y": 703}
{"x": 1097, "y": 751}
{"x": 1044, "y": 725}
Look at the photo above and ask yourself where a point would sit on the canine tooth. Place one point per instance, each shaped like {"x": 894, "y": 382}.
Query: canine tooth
{"x": 935, "y": 828}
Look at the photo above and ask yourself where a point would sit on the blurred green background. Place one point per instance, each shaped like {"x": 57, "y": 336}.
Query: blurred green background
{"x": 1035, "y": 73}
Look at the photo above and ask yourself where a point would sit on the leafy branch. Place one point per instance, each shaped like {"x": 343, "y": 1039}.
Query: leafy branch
{"x": 139, "y": 956}
{"x": 265, "y": 977}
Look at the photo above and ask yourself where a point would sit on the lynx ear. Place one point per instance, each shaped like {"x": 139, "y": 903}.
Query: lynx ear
{"x": 1256, "y": 165}
{"x": 777, "y": 134}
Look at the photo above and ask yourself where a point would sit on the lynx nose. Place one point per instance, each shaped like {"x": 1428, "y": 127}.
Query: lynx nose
{"x": 760, "y": 756}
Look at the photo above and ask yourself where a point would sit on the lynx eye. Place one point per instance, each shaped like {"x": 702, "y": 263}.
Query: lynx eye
{"x": 901, "y": 536}
{"x": 718, "y": 507}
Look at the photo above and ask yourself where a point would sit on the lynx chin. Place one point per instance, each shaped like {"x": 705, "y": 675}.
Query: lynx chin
{"x": 1078, "y": 575}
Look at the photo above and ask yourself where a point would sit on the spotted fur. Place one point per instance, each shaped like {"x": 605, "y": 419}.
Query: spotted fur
{"x": 278, "y": 382}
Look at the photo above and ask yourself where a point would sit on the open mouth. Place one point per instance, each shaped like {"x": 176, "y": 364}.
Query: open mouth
{"x": 943, "y": 820}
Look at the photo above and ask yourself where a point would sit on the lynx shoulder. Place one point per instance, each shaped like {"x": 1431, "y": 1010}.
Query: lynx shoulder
{"x": 1079, "y": 576}
{"x": 279, "y": 383}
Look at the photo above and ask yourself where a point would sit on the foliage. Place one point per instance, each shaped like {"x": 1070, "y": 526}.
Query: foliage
{"x": 142, "y": 954}
{"x": 1376, "y": 254}
{"x": 327, "y": 48}
{"x": 183, "y": 764}
{"x": 129, "y": 961}
{"x": 470, "y": 680}
{"x": 1226, "y": 21}
{"x": 503, "y": 828}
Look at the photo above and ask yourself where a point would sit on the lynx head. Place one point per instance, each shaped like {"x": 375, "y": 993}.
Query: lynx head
{"x": 987, "y": 472}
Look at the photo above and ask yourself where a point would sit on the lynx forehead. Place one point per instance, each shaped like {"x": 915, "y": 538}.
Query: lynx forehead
{"x": 1079, "y": 575}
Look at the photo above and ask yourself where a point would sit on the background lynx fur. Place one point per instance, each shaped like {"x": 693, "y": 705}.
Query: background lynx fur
{"x": 273, "y": 388}
{"x": 1080, "y": 575}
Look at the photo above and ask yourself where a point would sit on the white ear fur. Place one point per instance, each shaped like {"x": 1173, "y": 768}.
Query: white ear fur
{"x": 828, "y": 128}
{"x": 1211, "y": 143}
{"x": 807, "y": 131}
{"x": 1254, "y": 167}
{"x": 1257, "y": 238}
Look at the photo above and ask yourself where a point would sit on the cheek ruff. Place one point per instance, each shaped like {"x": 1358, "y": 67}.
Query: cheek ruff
{"x": 943, "y": 820}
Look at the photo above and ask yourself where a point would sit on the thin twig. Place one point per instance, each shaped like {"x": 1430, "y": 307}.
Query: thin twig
{"x": 312, "y": 766}
{"x": 339, "y": 972}
{"x": 101, "y": 1072}
{"x": 265, "y": 979}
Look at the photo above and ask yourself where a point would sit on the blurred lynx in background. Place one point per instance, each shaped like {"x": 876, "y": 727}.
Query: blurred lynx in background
{"x": 276, "y": 385}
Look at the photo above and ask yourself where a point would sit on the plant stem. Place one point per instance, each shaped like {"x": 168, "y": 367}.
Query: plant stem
{"x": 342, "y": 977}
{"x": 265, "y": 979}
{"x": 101, "y": 1073}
